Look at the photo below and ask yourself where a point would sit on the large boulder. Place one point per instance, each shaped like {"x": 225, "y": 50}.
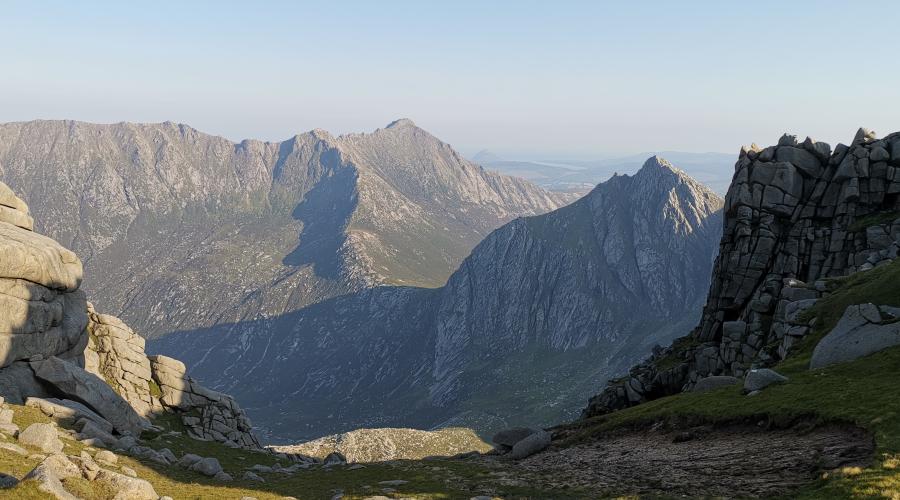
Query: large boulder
{"x": 126, "y": 487}
{"x": 80, "y": 385}
{"x": 530, "y": 445}
{"x": 208, "y": 466}
{"x": 862, "y": 330}
{"x": 68, "y": 410}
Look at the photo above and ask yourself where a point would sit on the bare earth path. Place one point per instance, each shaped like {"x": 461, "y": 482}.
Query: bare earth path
{"x": 735, "y": 462}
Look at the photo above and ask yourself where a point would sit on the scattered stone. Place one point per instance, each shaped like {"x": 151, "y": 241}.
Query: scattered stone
{"x": 189, "y": 459}
{"x": 250, "y": 476}
{"x": 208, "y": 466}
{"x": 393, "y": 482}
{"x": 223, "y": 476}
{"x": 10, "y": 429}
{"x": 106, "y": 456}
{"x": 50, "y": 471}
{"x": 759, "y": 379}
{"x": 128, "y": 471}
{"x": 41, "y": 436}
{"x": 531, "y": 445}
{"x": 6, "y": 416}
{"x": 127, "y": 487}
{"x": 356, "y": 467}
{"x": 67, "y": 410}
{"x": 14, "y": 448}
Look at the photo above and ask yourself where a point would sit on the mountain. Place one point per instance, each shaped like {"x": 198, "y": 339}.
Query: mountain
{"x": 798, "y": 216}
{"x": 542, "y": 310}
{"x": 181, "y": 230}
{"x": 711, "y": 169}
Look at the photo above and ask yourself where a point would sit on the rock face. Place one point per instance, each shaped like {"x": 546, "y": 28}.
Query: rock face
{"x": 182, "y": 230}
{"x": 379, "y": 445}
{"x": 53, "y": 343}
{"x": 116, "y": 354}
{"x": 540, "y": 303}
{"x": 208, "y": 414}
{"x": 796, "y": 212}
{"x": 41, "y": 308}
{"x": 863, "y": 329}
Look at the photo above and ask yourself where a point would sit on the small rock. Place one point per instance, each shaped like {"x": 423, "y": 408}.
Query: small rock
{"x": 14, "y": 448}
{"x": 250, "y": 476}
{"x": 189, "y": 459}
{"x": 7, "y": 481}
{"x": 393, "y": 482}
{"x": 356, "y": 467}
{"x": 128, "y": 471}
{"x": 761, "y": 378}
{"x": 41, "y": 436}
{"x": 106, "y": 457}
{"x": 168, "y": 455}
{"x": 6, "y": 416}
{"x": 223, "y": 476}
{"x": 335, "y": 458}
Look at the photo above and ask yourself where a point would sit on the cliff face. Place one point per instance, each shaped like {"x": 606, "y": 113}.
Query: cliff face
{"x": 795, "y": 213}
{"x": 57, "y": 354}
{"x": 540, "y": 303}
{"x": 182, "y": 230}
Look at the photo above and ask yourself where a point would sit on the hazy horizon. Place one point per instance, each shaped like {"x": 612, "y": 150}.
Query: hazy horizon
{"x": 526, "y": 80}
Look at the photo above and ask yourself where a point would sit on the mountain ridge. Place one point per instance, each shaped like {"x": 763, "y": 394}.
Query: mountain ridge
{"x": 524, "y": 297}
{"x": 161, "y": 211}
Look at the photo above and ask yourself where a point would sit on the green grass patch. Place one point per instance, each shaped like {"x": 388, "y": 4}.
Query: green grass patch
{"x": 874, "y": 220}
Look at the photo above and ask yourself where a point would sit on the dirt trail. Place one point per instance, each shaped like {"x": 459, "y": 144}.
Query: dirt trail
{"x": 736, "y": 462}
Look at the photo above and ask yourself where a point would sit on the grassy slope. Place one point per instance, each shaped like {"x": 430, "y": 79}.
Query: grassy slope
{"x": 431, "y": 479}
{"x": 865, "y": 392}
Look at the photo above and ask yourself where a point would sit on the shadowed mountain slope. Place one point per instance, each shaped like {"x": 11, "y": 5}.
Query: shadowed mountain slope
{"x": 540, "y": 312}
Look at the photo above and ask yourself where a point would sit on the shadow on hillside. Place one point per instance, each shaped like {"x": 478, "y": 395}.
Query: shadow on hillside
{"x": 325, "y": 213}
{"x": 363, "y": 342}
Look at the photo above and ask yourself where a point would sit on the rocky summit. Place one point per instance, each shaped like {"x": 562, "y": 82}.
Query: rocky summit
{"x": 542, "y": 310}
{"x": 180, "y": 230}
{"x": 796, "y": 214}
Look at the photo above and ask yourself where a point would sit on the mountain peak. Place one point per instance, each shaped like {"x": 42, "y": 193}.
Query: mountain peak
{"x": 485, "y": 156}
{"x": 658, "y": 162}
{"x": 401, "y": 123}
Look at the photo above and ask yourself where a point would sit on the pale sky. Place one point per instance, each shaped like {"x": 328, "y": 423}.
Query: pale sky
{"x": 520, "y": 78}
